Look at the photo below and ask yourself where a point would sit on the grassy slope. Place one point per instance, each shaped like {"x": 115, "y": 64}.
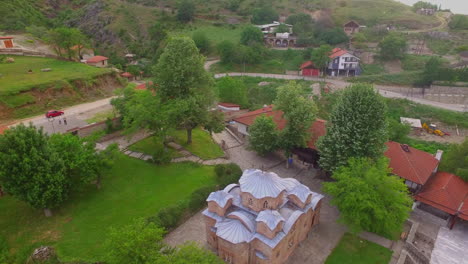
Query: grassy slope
{"x": 150, "y": 145}
{"x": 202, "y": 144}
{"x": 15, "y": 77}
{"x": 132, "y": 189}
{"x": 352, "y": 249}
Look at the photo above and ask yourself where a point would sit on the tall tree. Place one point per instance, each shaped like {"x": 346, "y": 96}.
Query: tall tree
{"x": 299, "y": 113}
{"x": 456, "y": 160}
{"x": 251, "y": 36}
{"x": 357, "y": 128}
{"x": 393, "y": 47}
{"x": 186, "y": 11}
{"x": 431, "y": 72}
{"x": 321, "y": 56}
{"x": 232, "y": 90}
{"x": 368, "y": 198}
{"x": 227, "y": 51}
{"x": 184, "y": 85}
{"x": 63, "y": 40}
{"x": 264, "y": 15}
{"x": 202, "y": 42}
{"x": 263, "y": 135}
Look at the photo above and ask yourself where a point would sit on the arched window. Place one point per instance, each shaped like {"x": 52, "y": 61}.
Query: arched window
{"x": 250, "y": 201}
{"x": 265, "y": 204}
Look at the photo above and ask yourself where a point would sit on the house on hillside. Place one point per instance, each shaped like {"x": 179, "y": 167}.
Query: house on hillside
{"x": 261, "y": 219}
{"x": 426, "y": 11}
{"x": 309, "y": 69}
{"x": 343, "y": 63}
{"x": 6, "y": 43}
{"x": 271, "y": 28}
{"x": 351, "y": 27}
{"x": 98, "y": 61}
{"x": 128, "y": 76}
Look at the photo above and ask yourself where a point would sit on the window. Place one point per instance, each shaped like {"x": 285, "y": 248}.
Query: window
{"x": 277, "y": 254}
{"x": 250, "y": 201}
{"x": 265, "y": 204}
{"x": 290, "y": 243}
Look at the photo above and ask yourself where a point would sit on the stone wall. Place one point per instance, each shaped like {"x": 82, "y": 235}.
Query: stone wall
{"x": 443, "y": 94}
{"x": 89, "y": 129}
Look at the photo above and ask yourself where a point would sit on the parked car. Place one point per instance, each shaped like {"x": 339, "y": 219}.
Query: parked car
{"x": 54, "y": 113}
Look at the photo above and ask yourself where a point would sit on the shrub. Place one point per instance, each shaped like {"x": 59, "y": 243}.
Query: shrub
{"x": 227, "y": 174}
{"x": 198, "y": 198}
{"x": 169, "y": 217}
{"x": 161, "y": 156}
{"x": 4, "y": 254}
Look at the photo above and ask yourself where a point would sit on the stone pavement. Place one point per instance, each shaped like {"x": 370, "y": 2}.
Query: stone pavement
{"x": 321, "y": 241}
{"x": 451, "y": 246}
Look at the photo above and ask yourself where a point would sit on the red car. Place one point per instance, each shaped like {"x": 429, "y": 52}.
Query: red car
{"x": 54, "y": 113}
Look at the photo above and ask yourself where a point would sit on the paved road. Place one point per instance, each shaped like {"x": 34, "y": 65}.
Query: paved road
{"x": 342, "y": 84}
{"x": 75, "y": 116}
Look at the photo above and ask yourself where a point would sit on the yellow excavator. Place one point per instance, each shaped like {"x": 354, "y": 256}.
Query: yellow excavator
{"x": 432, "y": 129}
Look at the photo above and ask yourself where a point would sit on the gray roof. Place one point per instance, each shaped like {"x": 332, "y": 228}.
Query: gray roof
{"x": 261, "y": 184}
{"x": 291, "y": 220}
{"x": 301, "y": 191}
{"x": 270, "y": 242}
{"x": 233, "y": 231}
{"x": 212, "y": 215}
{"x": 246, "y": 219}
{"x": 270, "y": 218}
{"x": 230, "y": 187}
{"x": 290, "y": 183}
{"x": 316, "y": 197}
{"x": 220, "y": 197}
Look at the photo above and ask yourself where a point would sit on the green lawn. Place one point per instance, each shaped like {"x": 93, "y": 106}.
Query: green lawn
{"x": 215, "y": 34}
{"x": 150, "y": 145}
{"x": 202, "y": 144}
{"x": 133, "y": 188}
{"x": 15, "y": 77}
{"x": 353, "y": 249}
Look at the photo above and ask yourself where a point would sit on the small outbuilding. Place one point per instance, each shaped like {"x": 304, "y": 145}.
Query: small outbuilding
{"x": 309, "y": 69}
{"x": 6, "y": 43}
{"x": 98, "y": 61}
{"x": 228, "y": 107}
{"x": 351, "y": 27}
{"x": 128, "y": 76}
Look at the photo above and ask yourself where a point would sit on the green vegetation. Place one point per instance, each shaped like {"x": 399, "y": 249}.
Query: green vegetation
{"x": 151, "y": 146}
{"x": 101, "y": 116}
{"x": 17, "y": 100}
{"x": 415, "y": 62}
{"x": 459, "y": 22}
{"x": 440, "y": 46}
{"x": 355, "y": 250}
{"x": 215, "y": 34}
{"x": 372, "y": 69}
{"x": 455, "y": 160}
{"x": 15, "y": 77}
{"x": 202, "y": 144}
{"x": 131, "y": 189}
{"x": 403, "y": 78}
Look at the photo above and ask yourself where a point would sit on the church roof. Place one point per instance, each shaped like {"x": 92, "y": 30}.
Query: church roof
{"x": 301, "y": 191}
{"x": 233, "y": 231}
{"x": 220, "y": 197}
{"x": 261, "y": 184}
{"x": 270, "y": 218}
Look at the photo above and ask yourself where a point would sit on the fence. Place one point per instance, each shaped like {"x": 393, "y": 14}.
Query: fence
{"x": 89, "y": 129}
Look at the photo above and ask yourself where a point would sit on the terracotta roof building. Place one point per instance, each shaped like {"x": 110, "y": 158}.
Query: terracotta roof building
{"x": 351, "y": 27}
{"x": 98, "y": 61}
{"x": 6, "y": 42}
{"x": 228, "y": 107}
{"x": 262, "y": 219}
{"x": 309, "y": 69}
{"x": 413, "y": 165}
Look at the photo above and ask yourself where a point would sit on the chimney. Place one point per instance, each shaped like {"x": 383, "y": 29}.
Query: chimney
{"x": 405, "y": 147}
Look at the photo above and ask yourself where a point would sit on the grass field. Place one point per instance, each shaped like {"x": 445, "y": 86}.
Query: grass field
{"x": 354, "y": 250}
{"x": 15, "y": 77}
{"x": 132, "y": 189}
{"x": 151, "y": 145}
{"x": 215, "y": 34}
{"x": 202, "y": 144}
{"x": 404, "y": 78}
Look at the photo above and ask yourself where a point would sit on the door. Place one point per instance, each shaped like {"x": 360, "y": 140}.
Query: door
{"x": 8, "y": 43}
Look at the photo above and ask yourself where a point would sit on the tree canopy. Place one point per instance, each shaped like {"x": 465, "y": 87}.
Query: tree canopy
{"x": 299, "y": 113}
{"x": 321, "y": 56}
{"x": 64, "y": 40}
{"x": 393, "y": 47}
{"x": 186, "y": 11}
{"x": 368, "y": 198}
{"x": 357, "y": 128}
{"x": 263, "y": 135}
{"x": 251, "y": 36}
{"x": 232, "y": 90}
{"x": 202, "y": 42}
{"x": 455, "y": 160}
{"x": 264, "y": 15}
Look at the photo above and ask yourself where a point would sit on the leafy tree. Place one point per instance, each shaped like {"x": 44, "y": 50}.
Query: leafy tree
{"x": 263, "y": 135}
{"x": 321, "y": 56}
{"x": 233, "y": 5}
{"x": 458, "y": 22}
{"x": 186, "y": 11}
{"x": 393, "y": 47}
{"x": 251, "y": 36}
{"x": 303, "y": 27}
{"x": 232, "y": 90}
{"x": 357, "y": 128}
{"x": 456, "y": 160}
{"x": 332, "y": 36}
{"x": 264, "y": 15}
{"x": 282, "y": 28}
{"x": 226, "y": 51}
{"x": 422, "y": 4}
{"x": 64, "y": 39}
{"x": 398, "y": 131}
{"x": 142, "y": 243}
{"x": 299, "y": 113}
{"x": 185, "y": 88}
{"x": 431, "y": 72}
{"x": 202, "y": 42}
{"x": 368, "y": 198}
{"x": 215, "y": 122}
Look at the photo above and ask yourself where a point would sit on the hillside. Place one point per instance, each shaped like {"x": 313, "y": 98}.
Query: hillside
{"x": 24, "y": 94}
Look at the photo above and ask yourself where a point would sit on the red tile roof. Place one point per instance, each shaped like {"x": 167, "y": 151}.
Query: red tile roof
{"x": 352, "y": 23}
{"x": 126, "y": 75}
{"x": 228, "y": 105}
{"x": 96, "y": 59}
{"x": 317, "y": 128}
{"x": 415, "y": 165}
{"x": 463, "y": 210}
{"x": 6, "y": 37}
{"x": 307, "y": 64}
{"x": 337, "y": 52}
{"x": 446, "y": 192}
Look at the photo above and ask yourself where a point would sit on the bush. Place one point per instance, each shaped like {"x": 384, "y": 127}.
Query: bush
{"x": 227, "y": 174}
{"x": 169, "y": 217}
{"x": 4, "y": 253}
{"x": 161, "y": 156}
{"x": 198, "y": 198}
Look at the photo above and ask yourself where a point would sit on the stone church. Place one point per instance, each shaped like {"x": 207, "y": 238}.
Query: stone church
{"x": 262, "y": 219}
